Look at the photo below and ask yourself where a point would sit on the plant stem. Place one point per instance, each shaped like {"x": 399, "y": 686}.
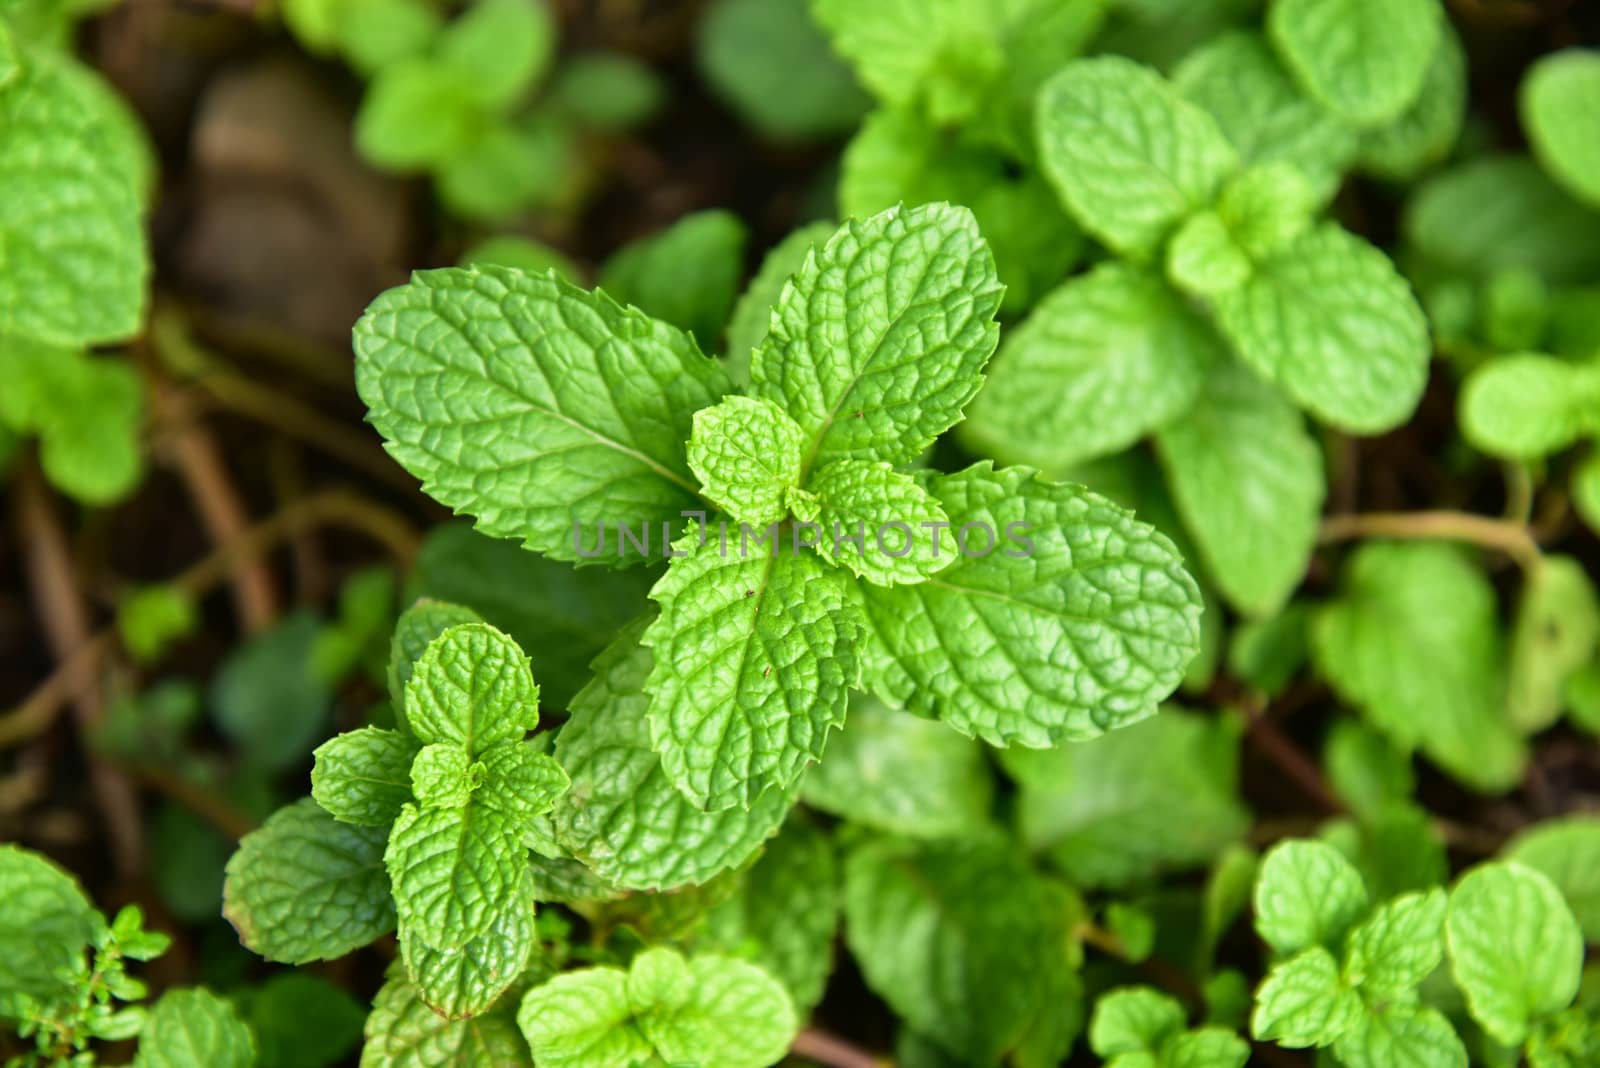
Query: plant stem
{"x": 1511, "y": 538}
{"x": 831, "y": 1050}
{"x": 1265, "y": 734}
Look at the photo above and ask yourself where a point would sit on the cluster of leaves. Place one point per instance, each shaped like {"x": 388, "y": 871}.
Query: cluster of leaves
{"x": 459, "y": 99}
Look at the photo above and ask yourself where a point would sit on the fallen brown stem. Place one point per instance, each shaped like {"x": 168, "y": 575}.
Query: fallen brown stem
{"x": 1513, "y": 539}
{"x": 831, "y": 1050}
{"x": 1263, "y": 732}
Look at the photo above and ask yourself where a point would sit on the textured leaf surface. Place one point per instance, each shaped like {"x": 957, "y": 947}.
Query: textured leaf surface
{"x": 1330, "y": 320}
{"x": 877, "y": 343}
{"x": 1413, "y": 641}
{"x": 1527, "y": 406}
{"x": 1304, "y": 1002}
{"x": 533, "y": 405}
{"x": 623, "y": 816}
{"x": 1560, "y": 107}
{"x": 442, "y": 776}
{"x": 1392, "y": 951}
{"x": 306, "y": 887}
{"x": 735, "y": 1016}
{"x": 1103, "y": 360}
{"x": 1402, "y": 1036}
{"x": 520, "y": 782}
{"x": 472, "y": 688}
{"x": 468, "y": 980}
{"x": 364, "y": 776}
{"x": 583, "y": 1019}
{"x": 1129, "y": 156}
{"x": 85, "y": 410}
{"x": 1132, "y": 1019}
{"x": 414, "y": 631}
{"x": 194, "y": 1028}
{"x": 1248, "y": 480}
{"x": 755, "y": 654}
{"x": 1515, "y": 948}
{"x": 1364, "y": 60}
{"x": 454, "y": 870}
{"x": 46, "y": 925}
{"x": 1084, "y": 629}
{"x": 746, "y": 454}
{"x": 898, "y": 523}
{"x": 1307, "y": 894}
{"x": 403, "y": 1032}
{"x": 752, "y": 315}
{"x": 901, "y": 773}
{"x": 942, "y": 55}
{"x": 1567, "y": 851}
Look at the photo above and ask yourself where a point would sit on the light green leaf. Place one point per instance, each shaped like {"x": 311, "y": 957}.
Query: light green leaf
{"x": 1526, "y": 406}
{"x": 417, "y": 114}
{"x": 1515, "y": 948}
{"x": 268, "y": 699}
{"x": 1208, "y": 1047}
{"x": 623, "y": 817}
{"x": 306, "y": 887}
{"x": 1369, "y": 774}
{"x": 378, "y": 34}
{"x": 1328, "y": 318}
{"x": 607, "y": 91}
{"x": 1567, "y": 851}
{"x": 752, "y": 315}
{"x": 1268, "y": 653}
{"x": 194, "y": 1028}
{"x": 364, "y": 776}
{"x": 414, "y": 631}
{"x": 87, "y": 412}
{"x": 875, "y": 363}
{"x": 522, "y": 253}
{"x": 1402, "y": 1036}
{"x": 687, "y": 275}
{"x": 1248, "y": 480}
{"x": 469, "y": 980}
{"x": 755, "y": 653}
{"x": 941, "y": 56}
{"x": 583, "y": 1019}
{"x": 1307, "y": 895}
{"x": 472, "y": 688}
{"x": 521, "y": 783}
{"x": 1365, "y": 60}
{"x": 535, "y": 406}
{"x": 442, "y": 776}
{"x": 1267, "y": 207}
{"x": 1160, "y": 794}
{"x": 901, "y": 773}
{"x": 498, "y": 48}
{"x": 1426, "y": 132}
{"x": 1559, "y": 101}
{"x": 504, "y": 168}
{"x": 898, "y": 524}
{"x": 1103, "y": 360}
{"x": 1135, "y": 1018}
{"x": 404, "y": 1032}
{"x": 454, "y": 870}
{"x": 1129, "y": 156}
{"x": 1393, "y": 950}
{"x": 1413, "y": 641}
{"x": 746, "y": 454}
{"x": 1084, "y": 616}
{"x": 1304, "y": 1002}
{"x": 1556, "y": 631}
{"x": 45, "y": 927}
{"x": 1203, "y": 260}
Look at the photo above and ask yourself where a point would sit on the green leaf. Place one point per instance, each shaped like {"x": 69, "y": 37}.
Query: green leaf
{"x": 1209, "y": 1047}
{"x": 623, "y": 817}
{"x": 1268, "y": 653}
{"x": 1203, "y": 260}
{"x": 875, "y": 363}
{"x": 194, "y": 1028}
{"x": 306, "y": 887}
{"x": 1248, "y": 480}
{"x": 414, "y": 631}
{"x": 1160, "y": 794}
{"x": 364, "y": 776}
{"x": 472, "y": 688}
{"x": 442, "y": 776}
{"x": 404, "y": 1032}
{"x": 522, "y": 253}
{"x": 152, "y": 618}
{"x": 1567, "y": 851}
{"x": 583, "y": 1019}
{"x": 1135, "y": 1018}
{"x": 71, "y": 224}
{"x": 746, "y": 454}
{"x": 541, "y": 409}
{"x": 502, "y": 169}
{"x": 1266, "y": 207}
{"x": 1328, "y": 318}
{"x": 1413, "y": 641}
{"x": 752, "y": 315}
{"x": 1237, "y": 79}
{"x": 1526, "y": 406}
{"x": 1556, "y": 631}
{"x": 896, "y": 521}
{"x": 1515, "y": 948}
{"x": 786, "y": 912}
{"x": 417, "y": 114}
{"x": 953, "y": 936}
{"x": 498, "y": 48}
{"x": 1085, "y": 617}
{"x": 687, "y": 275}
{"x": 375, "y": 35}
{"x": 1105, "y": 359}
{"x": 45, "y": 927}
{"x": 1369, "y": 774}
{"x": 607, "y": 91}
{"x": 772, "y": 64}
{"x": 454, "y": 871}
{"x": 1426, "y": 132}
{"x": 1307, "y": 895}
{"x": 1393, "y": 950}
{"x": 1129, "y": 156}
{"x": 1402, "y": 1036}
{"x": 301, "y": 1021}
{"x": 267, "y": 697}
{"x": 941, "y": 56}
{"x": 903, "y": 774}
{"x": 1364, "y": 60}
{"x": 1558, "y": 103}
{"x": 1304, "y": 1002}
{"x": 755, "y": 652}
{"x": 469, "y": 980}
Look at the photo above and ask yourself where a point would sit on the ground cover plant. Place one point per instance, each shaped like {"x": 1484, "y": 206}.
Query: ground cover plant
{"x": 1054, "y": 532}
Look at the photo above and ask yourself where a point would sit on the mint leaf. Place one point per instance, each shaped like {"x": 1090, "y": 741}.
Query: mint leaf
{"x": 194, "y": 1028}
{"x": 414, "y": 631}
{"x": 752, "y": 315}
{"x": 1103, "y": 360}
{"x": 469, "y": 980}
{"x": 453, "y": 870}
{"x": 686, "y": 275}
{"x": 1515, "y": 948}
{"x": 1424, "y": 133}
{"x": 895, "y": 518}
{"x": 1369, "y": 774}
{"x": 941, "y": 57}
{"x": 1131, "y": 1019}
{"x": 897, "y": 772}
{"x": 45, "y": 927}
{"x": 523, "y": 253}
{"x": 583, "y": 1019}
{"x": 1307, "y": 895}
{"x": 1094, "y": 617}
{"x": 1203, "y": 259}
{"x": 1567, "y": 851}
{"x": 1393, "y": 950}
{"x": 1365, "y": 60}
{"x": 1408, "y": 604}
{"x": 442, "y": 776}
{"x": 1157, "y": 795}
{"x": 1527, "y": 406}
{"x": 1266, "y": 207}
{"x": 520, "y": 782}
{"x": 498, "y": 48}
{"x": 1208, "y": 1047}
{"x": 746, "y": 454}
{"x": 623, "y": 816}
{"x": 404, "y": 1032}
{"x": 1557, "y": 102}
{"x": 1248, "y": 480}
{"x": 87, "y": 412}
{"x": 364, "y": 776}
{"x": 533, "y": 405}
{"x": 306, "y": 887}
{"x": 301, "y": 1021}
{"x": 874, "y": 363}
{"x": 472, "y": 688}
{"x": 416, "y": 114}
{"x": 1129, "y": 156}
{"x": 1555, "y": 633}
{"x": 754, "y": 654}
{"x": 1304, "y": 1002}
{"x": 1401, "y": 1036}
{"x": 1328, "y": 318}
